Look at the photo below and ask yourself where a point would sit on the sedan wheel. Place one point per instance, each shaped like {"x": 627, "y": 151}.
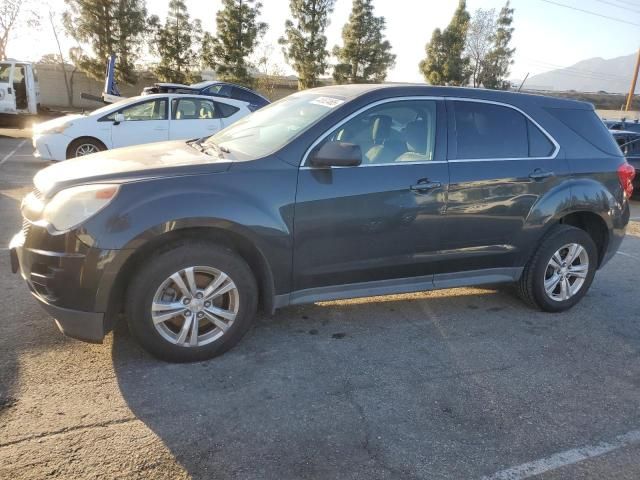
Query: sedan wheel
{"x": 195, "y": 306}
{"x": 86, "y": 149}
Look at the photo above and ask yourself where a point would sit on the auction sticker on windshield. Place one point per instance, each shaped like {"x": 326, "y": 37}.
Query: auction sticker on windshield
{"x": 327, "y": 102}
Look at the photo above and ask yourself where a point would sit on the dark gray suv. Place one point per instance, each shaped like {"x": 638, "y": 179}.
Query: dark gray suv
{"x": 331, "y": 193}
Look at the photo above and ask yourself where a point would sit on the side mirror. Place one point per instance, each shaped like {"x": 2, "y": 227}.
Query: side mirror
{"x": 337, "y": 154}
{"x": 117, "y": 118}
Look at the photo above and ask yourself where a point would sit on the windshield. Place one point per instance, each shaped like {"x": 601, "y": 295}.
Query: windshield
{"x": 270, "y": 128}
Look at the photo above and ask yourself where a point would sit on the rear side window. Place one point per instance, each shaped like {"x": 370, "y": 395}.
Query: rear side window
{"x": 193, "y": 109}
{"x": 487, "y": 131}
{"x": 587, "y": 125}
{"x": 245, "y": 96}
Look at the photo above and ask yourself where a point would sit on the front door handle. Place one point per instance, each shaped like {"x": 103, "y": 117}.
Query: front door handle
{"x": 424, "y": 185}
{"x": 539, "y": 174}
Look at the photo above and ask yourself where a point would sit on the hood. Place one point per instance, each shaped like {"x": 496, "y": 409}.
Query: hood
{"x": 154, "y": 160}
{"x": 56, "y": 122}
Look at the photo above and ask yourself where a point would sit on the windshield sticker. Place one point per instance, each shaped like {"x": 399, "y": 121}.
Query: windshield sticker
{"x": 327, "y": 102}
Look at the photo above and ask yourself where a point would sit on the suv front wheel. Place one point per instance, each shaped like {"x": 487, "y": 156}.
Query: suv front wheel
{"x": 191, "y": 302}
{"x": 561, "y": 271}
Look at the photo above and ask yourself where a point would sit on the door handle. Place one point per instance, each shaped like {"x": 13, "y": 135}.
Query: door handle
{"x": 160, "y": 129}
{"x": 539, "y": 174}
{"x": 424, "y": 185}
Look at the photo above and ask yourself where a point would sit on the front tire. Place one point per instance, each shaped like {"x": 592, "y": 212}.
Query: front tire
{"x": 191, "y": 302}
{"x": 561, "y": 271}
{"x": 84, "y": 146}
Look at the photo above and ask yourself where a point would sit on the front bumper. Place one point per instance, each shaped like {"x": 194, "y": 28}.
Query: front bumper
{"x": 65, "y": 281}
{"x": 50, "y": 146}
{"x": 86, "y": 326}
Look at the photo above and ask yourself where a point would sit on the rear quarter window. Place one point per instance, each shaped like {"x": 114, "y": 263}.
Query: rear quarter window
{"x": 225, "y": 109}
{"x": 587, "y": 125}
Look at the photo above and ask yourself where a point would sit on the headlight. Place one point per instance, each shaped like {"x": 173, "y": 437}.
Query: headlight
{"x": 70, "y": 207}
{"x": 56, "y": 129}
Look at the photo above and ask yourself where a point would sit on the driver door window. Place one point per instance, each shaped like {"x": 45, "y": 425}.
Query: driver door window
{"x": 392, "y": 133}
{"x": 145, "y": 120}
{"x": 150, "y": 110}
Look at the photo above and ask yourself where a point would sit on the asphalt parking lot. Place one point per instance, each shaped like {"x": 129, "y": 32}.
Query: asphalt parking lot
{"x": 454, "y": 384}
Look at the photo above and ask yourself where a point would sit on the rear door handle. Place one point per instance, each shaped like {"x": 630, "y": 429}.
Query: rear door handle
{"x": 424, "y": 186}
{"x": 539, "y": 174}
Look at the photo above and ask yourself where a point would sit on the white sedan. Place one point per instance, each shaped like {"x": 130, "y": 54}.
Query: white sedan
{"x": 144, "y": 119}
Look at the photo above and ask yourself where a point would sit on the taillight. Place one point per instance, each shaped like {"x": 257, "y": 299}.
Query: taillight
{"x": 626, "y": 174}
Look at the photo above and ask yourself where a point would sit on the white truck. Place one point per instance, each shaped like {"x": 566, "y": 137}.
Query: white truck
{"x": 19, "y": 89}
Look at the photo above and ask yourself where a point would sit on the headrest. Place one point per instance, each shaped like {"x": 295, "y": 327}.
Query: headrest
{"x": 416, "y": 136}
{"x": 381, "y": 128}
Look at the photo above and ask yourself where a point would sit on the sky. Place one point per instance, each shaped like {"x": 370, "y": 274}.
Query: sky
{"x": 547, "y": 35}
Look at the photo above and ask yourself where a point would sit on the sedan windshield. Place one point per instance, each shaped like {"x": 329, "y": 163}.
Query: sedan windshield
{"x": 275, "y": 125}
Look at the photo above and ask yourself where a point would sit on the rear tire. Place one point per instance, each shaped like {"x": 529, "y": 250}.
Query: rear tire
{"x": 561, "y": 271}
{"x": 174, "y": 283}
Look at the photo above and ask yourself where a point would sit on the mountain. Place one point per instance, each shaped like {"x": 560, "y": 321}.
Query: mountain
{"x": 592, "y": 75}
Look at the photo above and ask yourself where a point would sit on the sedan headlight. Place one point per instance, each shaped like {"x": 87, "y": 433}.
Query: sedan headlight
{"x": 72, "y": 206}
{"x": 57, "y": 129}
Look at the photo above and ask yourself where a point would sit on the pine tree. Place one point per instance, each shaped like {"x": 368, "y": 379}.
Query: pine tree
{"x": 500, "y": 57}
{"x": 305, "y": 45}
{"x": 365, "y": 56}
{"x": 238, "y": 33}
{"x": 174, "y": 43}
{"x": 107, "y": 27}
{"x": 446, "y": 62}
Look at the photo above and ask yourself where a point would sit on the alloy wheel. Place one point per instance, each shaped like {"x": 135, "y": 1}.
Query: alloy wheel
{"x": 195, "y": 306}
{"x": 566, "y": 272}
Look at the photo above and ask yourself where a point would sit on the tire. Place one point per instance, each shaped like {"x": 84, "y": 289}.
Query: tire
{"x": 86, "y": 144}
{"x": 560, "y": 238}
{"x": 154, "y": 282}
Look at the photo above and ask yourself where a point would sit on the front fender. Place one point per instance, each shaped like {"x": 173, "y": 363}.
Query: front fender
{"x": 144, "y": 210}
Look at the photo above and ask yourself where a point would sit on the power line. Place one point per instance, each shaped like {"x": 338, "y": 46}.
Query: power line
{"x": 623, "y": 2}
{"x": 622, "y": 6}
{"x": 591, "y": 13}
{"x": 578, "y": 71}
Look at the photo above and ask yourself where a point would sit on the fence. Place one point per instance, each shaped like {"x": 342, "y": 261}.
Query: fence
{"x": 53, "y": 92}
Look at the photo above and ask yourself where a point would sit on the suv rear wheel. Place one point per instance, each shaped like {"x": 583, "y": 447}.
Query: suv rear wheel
{"x": 191, "y": 302}
{"x": 561, "y": 271}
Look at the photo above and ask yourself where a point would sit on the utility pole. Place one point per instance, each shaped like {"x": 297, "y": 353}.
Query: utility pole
{"x": 632, "y": 91}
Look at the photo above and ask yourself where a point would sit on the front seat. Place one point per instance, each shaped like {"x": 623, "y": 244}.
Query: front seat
{"x": 416, "y": 142}
{"x": 384, "y": 150}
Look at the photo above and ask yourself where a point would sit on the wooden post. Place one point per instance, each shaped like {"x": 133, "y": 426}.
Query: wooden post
{"x": 632, "y": 91}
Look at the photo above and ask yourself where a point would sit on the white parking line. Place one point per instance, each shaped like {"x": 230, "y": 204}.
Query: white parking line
{"x": 10, "y": 154}
{"x": 568, "y": 457}
{"x": 629, "y": 255}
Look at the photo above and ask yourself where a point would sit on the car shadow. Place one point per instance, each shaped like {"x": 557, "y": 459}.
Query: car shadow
{"x": 369, "y": 388}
